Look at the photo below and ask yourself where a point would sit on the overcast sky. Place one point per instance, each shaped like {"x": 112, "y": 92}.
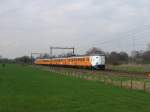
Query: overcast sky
{"x": 33, "y": 25}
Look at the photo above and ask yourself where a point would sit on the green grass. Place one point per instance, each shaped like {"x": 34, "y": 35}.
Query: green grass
{"x": 26, "y": 89}
{"x": 132, "y": 68}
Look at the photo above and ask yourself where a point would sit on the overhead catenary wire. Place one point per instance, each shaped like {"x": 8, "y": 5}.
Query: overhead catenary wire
{"x": 131, "y": 36}
{"x": 125, "y": 35}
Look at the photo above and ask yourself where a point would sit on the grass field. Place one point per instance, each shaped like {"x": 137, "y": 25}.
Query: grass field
{"x": 26, "y": 89}
{"x": 131, "y": 68}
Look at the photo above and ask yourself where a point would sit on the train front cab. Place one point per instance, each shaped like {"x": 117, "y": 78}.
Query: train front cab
{"x": 98, "y": 62}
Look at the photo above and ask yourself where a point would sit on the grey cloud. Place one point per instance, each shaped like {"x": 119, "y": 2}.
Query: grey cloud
{"x": 34, "y": 25}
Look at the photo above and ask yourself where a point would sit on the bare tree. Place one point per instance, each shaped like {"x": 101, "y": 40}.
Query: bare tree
{"x": 23, "y": 59}
{"x": 123, "y": 57}
{"x": 45, "y": 56}
{"x": 148, "y": 46}
{"x": 94, "y": 50}
{"x": 113, "y": 58}
{"x": 146, "y": 56}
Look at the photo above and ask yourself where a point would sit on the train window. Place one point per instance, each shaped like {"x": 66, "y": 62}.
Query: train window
{"x": 87, "y": 59}
{"x": 82, "y": 59}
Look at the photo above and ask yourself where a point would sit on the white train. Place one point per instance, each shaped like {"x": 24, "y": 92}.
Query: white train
{"x": 93, "y": 62}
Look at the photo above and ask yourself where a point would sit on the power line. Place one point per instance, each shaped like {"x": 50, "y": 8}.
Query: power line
{"x": 128, "y": 35}
{"x": 129, "y": 39}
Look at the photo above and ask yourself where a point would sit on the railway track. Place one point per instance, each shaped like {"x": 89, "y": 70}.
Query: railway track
{"x": 109, "y": 72}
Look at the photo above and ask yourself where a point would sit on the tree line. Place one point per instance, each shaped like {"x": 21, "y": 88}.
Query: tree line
{"x": 114, "y": 57}
{"x": 117, "y": 58}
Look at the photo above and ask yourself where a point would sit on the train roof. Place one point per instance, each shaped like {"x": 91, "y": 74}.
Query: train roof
{"x": 79, "y": 56}
{"x": 97, "y": 55}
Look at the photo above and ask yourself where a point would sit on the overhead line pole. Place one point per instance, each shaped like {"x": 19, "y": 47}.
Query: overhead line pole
{"x": 51, "y": 50}
{"x": 32, "y": 55}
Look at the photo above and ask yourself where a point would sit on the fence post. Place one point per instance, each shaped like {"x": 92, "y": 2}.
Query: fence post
{"x": 121, "y": 83}
{"x": 99, "y": 78}
{"x": 104, "y": 79}
{"x": 131, "y": 82}
{"x": 144, "y": 85}
{"x": 112, "y": 81}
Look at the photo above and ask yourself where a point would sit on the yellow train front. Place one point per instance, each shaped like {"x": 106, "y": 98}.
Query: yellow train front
{"x": 93, "y": 62}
